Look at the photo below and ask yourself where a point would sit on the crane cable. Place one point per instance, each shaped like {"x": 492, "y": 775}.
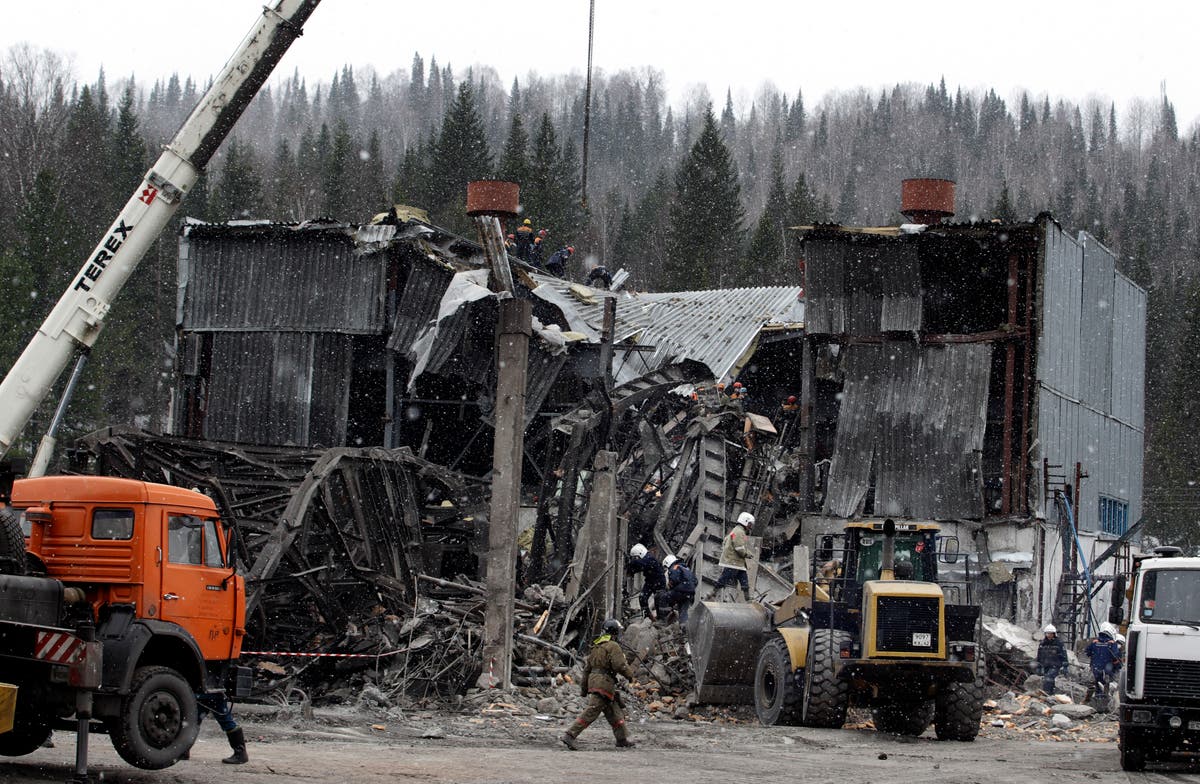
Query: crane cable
{"x": 587, "y": 101}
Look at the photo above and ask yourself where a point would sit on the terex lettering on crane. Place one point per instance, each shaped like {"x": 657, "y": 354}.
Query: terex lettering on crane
{"x": 96, "y": 267}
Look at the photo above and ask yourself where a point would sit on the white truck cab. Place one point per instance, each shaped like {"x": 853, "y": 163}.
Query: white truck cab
{"x": 1160, "y": 686}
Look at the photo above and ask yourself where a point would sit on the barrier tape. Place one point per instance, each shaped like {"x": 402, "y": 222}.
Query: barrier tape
{"x": 325, "y": 655}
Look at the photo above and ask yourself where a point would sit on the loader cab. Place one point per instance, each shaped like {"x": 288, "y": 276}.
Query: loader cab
{"x": 853, "y": 557}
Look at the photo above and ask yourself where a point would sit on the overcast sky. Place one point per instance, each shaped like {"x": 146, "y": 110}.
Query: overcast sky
{"x": 1062, "y": 48}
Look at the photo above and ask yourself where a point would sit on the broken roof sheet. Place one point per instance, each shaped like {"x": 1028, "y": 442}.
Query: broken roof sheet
{"x": 717, "y": 327}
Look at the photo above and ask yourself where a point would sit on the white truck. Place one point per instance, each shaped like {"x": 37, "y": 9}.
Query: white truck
{"x": 1159, "y": 610}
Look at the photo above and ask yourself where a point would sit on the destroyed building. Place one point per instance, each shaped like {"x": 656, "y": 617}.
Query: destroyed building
{"x": 989, "y": 376}
{"x": 982, "y": 375}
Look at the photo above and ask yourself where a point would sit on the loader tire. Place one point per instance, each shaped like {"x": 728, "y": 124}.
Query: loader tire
{"x": 903, "y": 718}
{"x": 12, "y": 543}
{"x": 826, "y": 696}
{"x": 158, "y": 722}
{"x": 960, "y": 707}
{"x": 778, "y": 698}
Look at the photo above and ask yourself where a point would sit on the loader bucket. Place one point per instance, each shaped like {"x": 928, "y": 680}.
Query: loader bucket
{"x": 725, "y": 640}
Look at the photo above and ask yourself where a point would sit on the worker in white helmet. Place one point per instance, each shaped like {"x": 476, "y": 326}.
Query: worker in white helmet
{"x": 734, "y": 555}
{"x": 642, "y": 561}
{"x": 1051, "y": 657}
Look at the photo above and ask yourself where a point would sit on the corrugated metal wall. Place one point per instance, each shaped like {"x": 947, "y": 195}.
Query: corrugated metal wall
{"x": 310, "y": 282}
{"x": 296, "y": 393}
{"x": 915, "y": 417}
{"x": 1091, "y": 373}
{"x": 863, "y": 288}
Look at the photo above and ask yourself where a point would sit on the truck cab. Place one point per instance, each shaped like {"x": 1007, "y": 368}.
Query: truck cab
{"x": 1160, "y": 686}
{"x": 150, "y": 569}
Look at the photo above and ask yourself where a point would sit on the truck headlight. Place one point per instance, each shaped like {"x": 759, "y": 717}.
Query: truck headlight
{"x": 1141, "y": 717}
{"x": 1175, "y": 722}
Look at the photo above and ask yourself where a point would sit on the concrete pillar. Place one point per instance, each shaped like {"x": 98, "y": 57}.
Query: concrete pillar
{"x": 603, "y": 561}
{"x": 512, "y": 359}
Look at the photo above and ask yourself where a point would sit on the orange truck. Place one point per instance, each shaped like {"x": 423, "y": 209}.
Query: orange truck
{"x": 133, "y": 605}
{"x": 129, "y": 606}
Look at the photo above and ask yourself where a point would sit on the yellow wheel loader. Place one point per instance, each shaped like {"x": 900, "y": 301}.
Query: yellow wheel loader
{"x": 871, "y": 627}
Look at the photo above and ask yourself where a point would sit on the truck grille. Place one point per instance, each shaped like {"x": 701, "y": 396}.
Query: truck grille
{"x": 1173, "y": 678}
{"x": 899, "y": 618}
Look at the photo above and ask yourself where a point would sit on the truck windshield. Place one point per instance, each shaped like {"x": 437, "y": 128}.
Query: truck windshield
{"x": 1170, "y": 596}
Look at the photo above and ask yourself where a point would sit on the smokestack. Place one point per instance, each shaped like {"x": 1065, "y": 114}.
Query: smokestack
{"x": 927, "y": 200}
{"x": 887, "y": 560}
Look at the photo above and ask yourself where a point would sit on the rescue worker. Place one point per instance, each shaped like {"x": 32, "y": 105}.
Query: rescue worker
{"x": 1051, "y": 657}
{"x": 599, "y": 686}
{"x": 734, "y": 555}
{"x": 600, "y": 275}
{"x": 1105, "y": 654}
{"x": 557, "y": 264}
{"x": 681, "y": 588}
{"x": 524, "y": 239}
{"x": 654, "y": 581}
{"x": 535, "y": 252}
{"x": 218, "y": 705}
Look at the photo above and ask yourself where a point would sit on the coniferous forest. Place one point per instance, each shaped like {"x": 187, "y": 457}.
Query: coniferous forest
{"x": 693, "y": 194}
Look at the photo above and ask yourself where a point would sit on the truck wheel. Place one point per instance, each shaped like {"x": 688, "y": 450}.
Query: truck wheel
{"x": 158, "y": 721}
{"x": 1133, "y": 753}
{"x": 826, "y": 696}
{"x": 12, "y": 543}
{"x": 903, "y": 718}
{"x": 777, "y": 697}
{"x": 959, "y": 707}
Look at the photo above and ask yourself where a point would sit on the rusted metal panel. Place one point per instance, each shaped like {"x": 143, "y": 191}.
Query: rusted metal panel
{"x": 272, "y": 277}
{"x": 912, "y": 418}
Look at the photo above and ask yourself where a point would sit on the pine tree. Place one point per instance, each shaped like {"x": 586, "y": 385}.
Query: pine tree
{"x": 1003, "y": 211}
{"x": 768, "y": 245}
{"x": 128, "y": 149}
{"x": 339, "y": 179}
{"x": 514, "y": 164}
{"x": 705, "y": 238}
{"x": 238, "y": 192}
{"x": 461, "y": 156}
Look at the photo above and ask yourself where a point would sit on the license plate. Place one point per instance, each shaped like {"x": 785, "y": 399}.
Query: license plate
{"x": 922, "y": 639}
{"x": 1194, "y": 726}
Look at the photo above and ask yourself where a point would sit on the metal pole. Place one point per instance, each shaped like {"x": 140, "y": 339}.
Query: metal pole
{"x": 587, "y": 100}
{"x": 41, "y": 461}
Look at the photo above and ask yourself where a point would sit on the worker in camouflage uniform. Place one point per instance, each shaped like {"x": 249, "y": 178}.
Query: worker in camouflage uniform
{"x": 599, "y": 686}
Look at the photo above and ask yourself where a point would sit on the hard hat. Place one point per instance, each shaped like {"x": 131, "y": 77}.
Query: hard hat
{"x": 669, "y": 561}
{"x": 527, "y": 222}
{"x": 638, "y": 550}
{"x": 570, "y": 249}
{"x": 791, "y": 399}
{"x": 1050, "y": 629}
{"x": 746, "y": 519}
{"x": 737, "y": 384}
{"x": 612, "y": 626}
{"x": 543, "y": 233}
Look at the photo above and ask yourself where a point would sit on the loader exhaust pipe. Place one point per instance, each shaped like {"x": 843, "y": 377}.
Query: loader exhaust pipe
{"x": 887, "y": 562}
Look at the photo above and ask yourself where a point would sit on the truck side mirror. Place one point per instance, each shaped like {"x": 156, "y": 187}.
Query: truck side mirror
{"x": 948, "y": 549}
{"x": 231, "y": 547}
{"x": 1116, "y": 614}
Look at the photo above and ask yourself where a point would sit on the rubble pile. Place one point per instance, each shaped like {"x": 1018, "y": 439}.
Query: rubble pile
{"x": 1048, "y": 717}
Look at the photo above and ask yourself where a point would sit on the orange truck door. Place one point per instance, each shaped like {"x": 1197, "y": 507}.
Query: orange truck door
{"x": 198, "y": 590}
